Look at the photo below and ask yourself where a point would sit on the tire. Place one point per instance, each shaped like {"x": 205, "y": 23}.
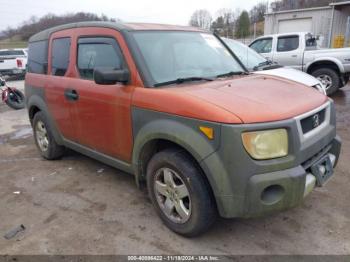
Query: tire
{"x": 15, "y": 99}
{"x": 346, "y": 80}
{"x": 44, "y": 139}
{"x": 200, "y": 204}
{"x": 328, "y": 77}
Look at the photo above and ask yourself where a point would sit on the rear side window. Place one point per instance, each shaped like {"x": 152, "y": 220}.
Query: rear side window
{"x": 60, "y": 56}
{"x": 287, "y": 43}
{"x": 37, "y": 57}
{"x": 98, "y": 52}
{"x": 262, "y": 45}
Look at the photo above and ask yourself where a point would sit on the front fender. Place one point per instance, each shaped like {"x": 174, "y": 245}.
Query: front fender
{"x": 151, "y": 125}
{"x": 4, "y": 95}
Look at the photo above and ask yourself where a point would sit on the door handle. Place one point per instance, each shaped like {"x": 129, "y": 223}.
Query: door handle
{"x": 294, "y": 55}
{"x": 71, "y": 94}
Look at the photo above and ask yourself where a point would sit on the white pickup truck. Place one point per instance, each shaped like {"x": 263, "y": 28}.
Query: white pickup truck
{"x": 13, "y": 62}
{"x": 300, "y": 51}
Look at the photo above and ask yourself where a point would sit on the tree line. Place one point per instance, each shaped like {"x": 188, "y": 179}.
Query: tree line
{"x": 282, "y": 5}
{"x": 230, "y": 23}
{"x": 35, "y": 25}
{"x": 242, "y": 23}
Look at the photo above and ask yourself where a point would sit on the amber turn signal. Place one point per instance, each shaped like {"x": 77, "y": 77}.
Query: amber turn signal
{"x": 207, "y": 131}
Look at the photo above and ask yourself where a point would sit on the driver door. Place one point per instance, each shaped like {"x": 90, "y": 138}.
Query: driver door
{"x": 103, "y": 111}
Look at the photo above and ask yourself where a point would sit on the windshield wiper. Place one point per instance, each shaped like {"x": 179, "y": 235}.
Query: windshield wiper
{"x": 233, "y": 73}
{"x": 183, "y": 79}
{"x": 265, "y": 63}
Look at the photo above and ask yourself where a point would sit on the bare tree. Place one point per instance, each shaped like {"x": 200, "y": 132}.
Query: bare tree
{"x": 201, "y": 18}
{"x": 224, "y": 22}
{"x": 258, "y": 11}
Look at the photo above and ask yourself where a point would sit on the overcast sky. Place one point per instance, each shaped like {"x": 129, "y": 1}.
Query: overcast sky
{"x": 14, "y": 12}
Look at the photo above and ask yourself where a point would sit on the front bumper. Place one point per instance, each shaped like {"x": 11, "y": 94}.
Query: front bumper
{"x": 11, "y": 72}
{"x": 240, "y": 183}
{"x": 284, "y": 189}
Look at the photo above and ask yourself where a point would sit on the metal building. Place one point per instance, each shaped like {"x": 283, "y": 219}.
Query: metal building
{"x": 328, "y": 22}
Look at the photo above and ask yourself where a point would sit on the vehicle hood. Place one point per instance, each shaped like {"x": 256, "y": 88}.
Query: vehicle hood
{"x": 291, "y": 74}
{"x": 258, "y": 98}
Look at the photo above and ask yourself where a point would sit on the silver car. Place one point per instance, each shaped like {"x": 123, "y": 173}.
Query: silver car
{"x": 257, "y": 64}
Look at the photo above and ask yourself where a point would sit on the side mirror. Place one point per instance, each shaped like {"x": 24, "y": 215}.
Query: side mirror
{"x": 2, "y": 82}
{"x": 108, "y": 76}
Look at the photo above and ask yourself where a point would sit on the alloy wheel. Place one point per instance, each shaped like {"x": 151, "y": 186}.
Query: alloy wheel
{"x": 172, "y": 195}
{"x": 326, "y": 81}
{"x": 41, "y": 136}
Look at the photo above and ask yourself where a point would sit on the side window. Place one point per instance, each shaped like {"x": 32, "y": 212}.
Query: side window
{"x": 98, "y": 52}
{"x": 37, "y": 57}
{"x": 287, "y": 43}
{"x": 60, "y": 56}
{"x": 262, "y": 45}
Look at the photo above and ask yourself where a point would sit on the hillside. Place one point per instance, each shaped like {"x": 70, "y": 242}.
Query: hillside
{"x": 13, "y": 42}
{"x": 20, "y": 34}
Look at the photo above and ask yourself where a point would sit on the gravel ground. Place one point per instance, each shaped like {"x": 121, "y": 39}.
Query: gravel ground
{"x": 79, "y": 206}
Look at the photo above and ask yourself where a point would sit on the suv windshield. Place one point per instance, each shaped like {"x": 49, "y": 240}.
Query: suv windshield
{"x": 174, "y": 55}
{"x": 248, "y": 56}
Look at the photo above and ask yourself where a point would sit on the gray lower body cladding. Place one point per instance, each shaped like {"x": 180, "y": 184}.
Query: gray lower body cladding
{"x": 242, "y": 193}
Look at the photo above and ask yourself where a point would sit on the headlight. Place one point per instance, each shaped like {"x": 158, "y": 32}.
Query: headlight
{"x": 319, "y": 87}
{"x": 266, "y": 144}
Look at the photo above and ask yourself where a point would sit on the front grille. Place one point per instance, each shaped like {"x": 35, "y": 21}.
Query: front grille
{"x": 311, "y": 122}
{"x": 308, "y": 163}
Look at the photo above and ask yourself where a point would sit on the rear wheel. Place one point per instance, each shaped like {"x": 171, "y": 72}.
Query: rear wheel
{"x": 44, "y": 139}
{"x": 179, "y": 192}
{"x": 329, "y": 78}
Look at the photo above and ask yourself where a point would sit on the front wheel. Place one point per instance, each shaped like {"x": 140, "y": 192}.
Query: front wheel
{"x": 329, "y": 78}
{"x": 345, "y": 82}
{"x": 15, "y": 99}
{"x": 179, "y": 192}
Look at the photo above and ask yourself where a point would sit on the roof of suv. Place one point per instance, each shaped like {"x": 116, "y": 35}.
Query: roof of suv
{"x": 44, "y": 35}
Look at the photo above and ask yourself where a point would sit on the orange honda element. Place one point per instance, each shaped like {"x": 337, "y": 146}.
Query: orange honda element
{"x": 175, "y": 107}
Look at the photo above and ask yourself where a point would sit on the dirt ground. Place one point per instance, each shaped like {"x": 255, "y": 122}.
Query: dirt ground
{"x": 79, "y": 206}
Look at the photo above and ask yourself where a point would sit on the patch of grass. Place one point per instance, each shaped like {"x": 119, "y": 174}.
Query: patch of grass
{"x": 9, "y": 43}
